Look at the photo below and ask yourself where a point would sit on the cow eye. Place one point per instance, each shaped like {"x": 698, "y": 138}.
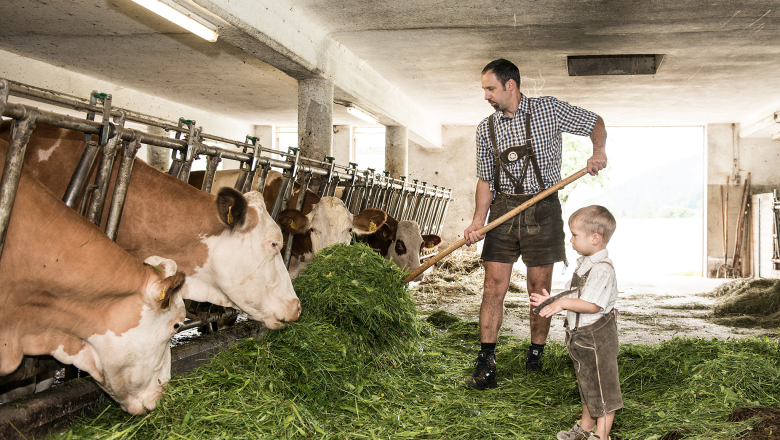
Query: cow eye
{"x": 311, "y": 230}
{"x": 176, "y": 326}
{"x": 350, "y": 230}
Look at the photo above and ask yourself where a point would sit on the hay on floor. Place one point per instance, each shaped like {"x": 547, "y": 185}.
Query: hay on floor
{"x": 748, "y": 303}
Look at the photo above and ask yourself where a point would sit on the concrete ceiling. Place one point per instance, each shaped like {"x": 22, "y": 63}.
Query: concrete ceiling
{"x": 721, "y": 57}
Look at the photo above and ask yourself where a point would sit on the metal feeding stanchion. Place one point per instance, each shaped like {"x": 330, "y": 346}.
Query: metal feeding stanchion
{"x": 496, "y": 222}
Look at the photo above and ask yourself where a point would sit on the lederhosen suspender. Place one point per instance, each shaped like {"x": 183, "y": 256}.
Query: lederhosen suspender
{"x": 514, "y": 154}
{"x": 580, "y": 281}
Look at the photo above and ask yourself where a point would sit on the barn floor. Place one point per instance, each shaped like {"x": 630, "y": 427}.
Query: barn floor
{"x": 652, "y": 309}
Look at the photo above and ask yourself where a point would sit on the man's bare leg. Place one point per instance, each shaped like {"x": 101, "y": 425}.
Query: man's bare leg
{"x": 491, "y": 312}
{"x": 538, "y": 278}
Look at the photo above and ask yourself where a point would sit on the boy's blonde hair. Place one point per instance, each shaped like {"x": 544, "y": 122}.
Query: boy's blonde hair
{"x": 594, "y": 219}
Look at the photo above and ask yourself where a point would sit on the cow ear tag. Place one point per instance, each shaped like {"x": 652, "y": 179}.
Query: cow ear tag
{"x": 371, "y": 226}
{"x": 230, "y": 215}
{"x": 161, "y": 296}
{"x": 292, "y": 225}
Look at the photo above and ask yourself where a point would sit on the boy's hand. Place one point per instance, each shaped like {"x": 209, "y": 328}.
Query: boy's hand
{"x": 537, "y": 299}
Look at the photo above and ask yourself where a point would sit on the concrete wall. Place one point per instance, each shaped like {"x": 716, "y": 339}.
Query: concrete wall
{"x": 758, "y": 156}
{"x": 452, "y": 166}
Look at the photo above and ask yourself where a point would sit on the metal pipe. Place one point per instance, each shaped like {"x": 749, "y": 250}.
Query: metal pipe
{"x": 263, "y": 177}
{"x": 106, "y": 165}
{"x": 89, "y": 190}
{"x": 427, "y": 212}
{"x": 211, "y": 170}
{"x": 444, "y": 213}
{"x": 80, "y": 175}
{"x": 129, "y": 151}
{"x": 305, "y": 180}
{"x": 12, "y": 172}
{"x": 288, "y": 179}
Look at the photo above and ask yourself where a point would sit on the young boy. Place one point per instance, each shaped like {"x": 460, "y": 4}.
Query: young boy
{"x": 591, "y": 330}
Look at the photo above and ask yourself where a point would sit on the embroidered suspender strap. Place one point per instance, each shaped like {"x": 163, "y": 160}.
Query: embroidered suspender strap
{"x": 530, "y": 152}
{"x": 582, "y": 285}
{"x": 499, "y": 162}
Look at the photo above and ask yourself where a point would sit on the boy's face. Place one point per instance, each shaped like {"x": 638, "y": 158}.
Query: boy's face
{"x": 584, "y": 243}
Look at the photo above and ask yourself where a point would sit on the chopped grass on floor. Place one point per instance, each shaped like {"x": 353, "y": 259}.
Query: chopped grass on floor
{"x": 360, "y": 371}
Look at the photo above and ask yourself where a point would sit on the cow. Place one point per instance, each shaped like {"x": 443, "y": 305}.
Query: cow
{"x": 320, "y": 223}
{"x": 70, "y": 292}
{"x": 221, "y": 178}
{"x": 402, "y": 243}
{"x": 227, "y": 245}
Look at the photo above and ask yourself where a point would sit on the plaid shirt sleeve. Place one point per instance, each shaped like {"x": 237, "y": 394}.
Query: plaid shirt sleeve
{"x": 573, "y": 119}
{"x": 485, "y": 160}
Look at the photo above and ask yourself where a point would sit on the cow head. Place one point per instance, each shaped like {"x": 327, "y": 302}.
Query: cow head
{"x": 132, "y": 367}
{"x": 250, "y": 263}
{"x": 407, "y": 245}
{"x": 330, "y": 222}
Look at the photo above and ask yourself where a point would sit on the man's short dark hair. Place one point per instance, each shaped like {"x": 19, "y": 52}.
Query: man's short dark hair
{"x": 504, "y": 71}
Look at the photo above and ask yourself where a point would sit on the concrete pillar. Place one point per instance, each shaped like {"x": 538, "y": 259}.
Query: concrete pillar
{"x": 315, "y": 118}
{"x": 342, "y": 144}
{"x": 158, "y": 157}
{"x": 397, "y": 151}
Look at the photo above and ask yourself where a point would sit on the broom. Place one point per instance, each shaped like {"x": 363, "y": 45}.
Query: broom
{"x": 433, "y": 260}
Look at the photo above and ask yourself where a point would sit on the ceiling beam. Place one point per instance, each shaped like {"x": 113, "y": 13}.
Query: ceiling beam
{"x": 280, "y": 36}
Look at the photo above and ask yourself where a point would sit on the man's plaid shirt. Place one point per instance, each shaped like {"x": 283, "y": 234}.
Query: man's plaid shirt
{"x": 550, "y": 117}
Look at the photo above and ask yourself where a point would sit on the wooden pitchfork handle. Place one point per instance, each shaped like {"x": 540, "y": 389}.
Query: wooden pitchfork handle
{"x": 433, "y": 260}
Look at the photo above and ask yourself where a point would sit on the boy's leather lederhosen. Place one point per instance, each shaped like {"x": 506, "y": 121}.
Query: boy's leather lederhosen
{"x": 593, "y": 348}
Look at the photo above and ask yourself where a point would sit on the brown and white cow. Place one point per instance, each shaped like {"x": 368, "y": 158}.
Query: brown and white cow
{"x": 320, "y": 223}
{"x": 68, "y": 291}
{"x": 231, "y": 262}
{"x": 402, "y": 243}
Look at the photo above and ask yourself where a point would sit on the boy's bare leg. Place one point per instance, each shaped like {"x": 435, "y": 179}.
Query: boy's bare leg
{"x": 603, "y": 424}
{"x": 491, "y": 312}
{"x": 539, "y": 277}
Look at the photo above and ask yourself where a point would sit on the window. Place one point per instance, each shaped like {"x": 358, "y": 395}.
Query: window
{"x": 369, "y": 145}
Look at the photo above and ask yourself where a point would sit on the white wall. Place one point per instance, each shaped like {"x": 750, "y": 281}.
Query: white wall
{"x": 452, "y": 166}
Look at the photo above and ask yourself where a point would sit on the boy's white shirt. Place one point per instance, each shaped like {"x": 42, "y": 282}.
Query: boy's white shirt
{"x": 600, "y": 288}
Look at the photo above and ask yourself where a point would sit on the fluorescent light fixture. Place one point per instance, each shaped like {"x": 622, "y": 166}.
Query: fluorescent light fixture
{"x": 180, "y": 15}
{"x": 362, "y": 114}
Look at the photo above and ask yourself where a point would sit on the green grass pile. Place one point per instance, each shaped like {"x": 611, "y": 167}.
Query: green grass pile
{"x": 358, "y": 291}
{"x": 321, "y": 379}
{"x": 749, "y": 303}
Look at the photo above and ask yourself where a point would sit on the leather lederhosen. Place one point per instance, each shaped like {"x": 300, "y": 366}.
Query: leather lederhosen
{"x": 514, "y": 154}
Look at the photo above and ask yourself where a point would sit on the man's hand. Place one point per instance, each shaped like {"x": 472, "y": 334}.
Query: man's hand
{"x": 538, "y": 298}
{"x": 597, "y": 162}
{"x": 471, "y": 235}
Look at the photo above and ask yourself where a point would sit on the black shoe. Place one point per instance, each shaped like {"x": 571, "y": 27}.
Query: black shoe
{"x": 484, "y": 376}
{"x": 533, "y": 361}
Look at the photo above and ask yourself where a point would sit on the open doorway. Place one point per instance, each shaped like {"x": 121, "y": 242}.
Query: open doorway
{"x": 653, "y": 186}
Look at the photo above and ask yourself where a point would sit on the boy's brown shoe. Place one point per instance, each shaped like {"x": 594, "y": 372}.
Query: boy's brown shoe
{"x": 575, "y": 433}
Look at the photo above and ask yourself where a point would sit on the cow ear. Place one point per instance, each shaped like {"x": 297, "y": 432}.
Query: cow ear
{"x": 231, "y": 207}
{"x": 369, "y": 221}
{"x": 166, "y": 267}
{"x": 431, "y": 241}
{"x": 169, "y": 286}
{"x": 293, "y": 222}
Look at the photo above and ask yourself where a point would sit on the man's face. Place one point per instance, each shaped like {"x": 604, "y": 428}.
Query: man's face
{"x": 496, "y": 93}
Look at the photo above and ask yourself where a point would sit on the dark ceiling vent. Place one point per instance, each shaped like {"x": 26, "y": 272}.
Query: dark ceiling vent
{"x": 589, "y": 65}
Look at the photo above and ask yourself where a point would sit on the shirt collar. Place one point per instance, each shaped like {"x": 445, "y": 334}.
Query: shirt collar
{"x": 524, "y": 107}
{"x": 595, "y": 258}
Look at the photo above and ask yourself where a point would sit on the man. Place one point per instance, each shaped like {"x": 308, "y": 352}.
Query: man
{"x": 518, "y": 155}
